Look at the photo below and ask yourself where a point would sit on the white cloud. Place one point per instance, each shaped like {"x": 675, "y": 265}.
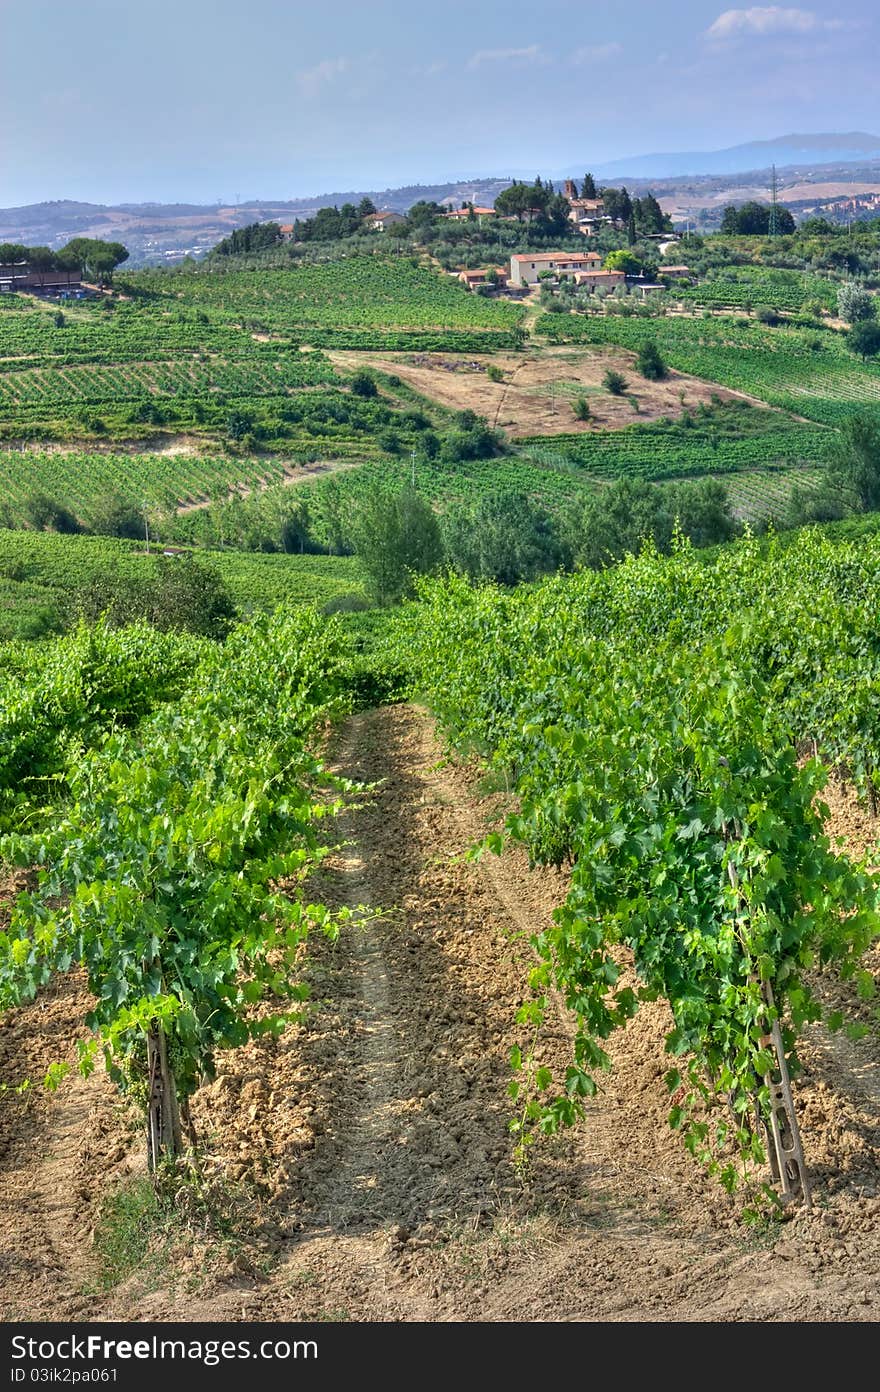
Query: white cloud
{"x": 595, "y": 53}
{"x": 766, "y": 20}
{"x": 532, "y": 54}
{"x": 311, "y": 80}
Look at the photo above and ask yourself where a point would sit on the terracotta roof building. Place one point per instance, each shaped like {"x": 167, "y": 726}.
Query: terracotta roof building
{"x": 525, "y": 269}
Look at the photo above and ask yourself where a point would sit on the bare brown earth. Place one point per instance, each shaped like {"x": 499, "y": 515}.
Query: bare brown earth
{"x": 373, "y": 1139}
{"x": 539, "y": 389}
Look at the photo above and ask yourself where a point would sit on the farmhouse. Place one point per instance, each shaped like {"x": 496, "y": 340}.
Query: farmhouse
{"x": 462, "y": 214}
{"x": 380, "y": 222}
{"x": 675, "y": 272}
{"x": 525, "y": 269}
{"x": 600, "y": 280}
{"x": 587, "y": 214}
{"x": 286, "y": 230}
{"x": 474, "y": 278}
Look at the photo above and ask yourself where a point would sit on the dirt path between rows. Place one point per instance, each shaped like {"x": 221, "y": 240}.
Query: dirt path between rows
{"x": 377, "y": 1132}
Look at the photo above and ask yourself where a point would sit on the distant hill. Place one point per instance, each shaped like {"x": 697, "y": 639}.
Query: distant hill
{"x": 784, "y": 150}
{"x": 165, "y": 232}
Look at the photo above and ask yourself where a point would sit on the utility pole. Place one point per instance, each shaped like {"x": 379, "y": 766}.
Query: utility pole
{"x": 773, "y": 224}
{"x": 413, "y": 473}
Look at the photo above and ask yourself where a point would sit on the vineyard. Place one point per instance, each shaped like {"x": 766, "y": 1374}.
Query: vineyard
{"x": 311, "y": 982}
{"x": 42, "y": 573}
{"x": 360, "y": 302}
{"x": 809, "y": 373}
{"x": 666, "y": 773}
{"x": 43, "y": 389}
{"x": 160, "y": 480}
{"x": 726, "y": 440}
{"x": 213, "y": 751}
{"x": 750, "y": 286}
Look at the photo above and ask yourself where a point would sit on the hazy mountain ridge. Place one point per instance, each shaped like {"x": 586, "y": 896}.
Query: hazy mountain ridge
{"x": 752, "y": 157}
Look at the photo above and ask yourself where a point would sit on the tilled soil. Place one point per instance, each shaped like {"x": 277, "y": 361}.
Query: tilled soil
{"x": 375, "y": 1136}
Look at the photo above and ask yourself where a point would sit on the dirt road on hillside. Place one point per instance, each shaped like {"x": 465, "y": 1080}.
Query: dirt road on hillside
{"x": 376, "y": 1133}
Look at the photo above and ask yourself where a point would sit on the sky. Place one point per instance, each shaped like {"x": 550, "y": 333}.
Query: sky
{"x": 220, "y": 100}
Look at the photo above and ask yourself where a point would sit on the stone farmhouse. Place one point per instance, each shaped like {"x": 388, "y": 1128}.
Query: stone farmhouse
{"x": 474, "y": 278}
{"x": 587, "y": 214}
{"x": 380, "y": 222}
{"x": 463, "y": 214}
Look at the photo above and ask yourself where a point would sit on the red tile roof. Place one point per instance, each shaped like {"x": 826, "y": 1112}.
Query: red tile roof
{"x": 557, "y": 256}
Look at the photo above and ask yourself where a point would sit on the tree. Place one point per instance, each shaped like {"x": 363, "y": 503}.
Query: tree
{"x": 555, "y": 218}
{"x": 702, "y": 510}
{"x": 472, "y": 438}
{"x": 588, "y": 187}
{"x": 649, "y": 216}
{"x": 620, "y": 518}
{"x": 92, "y": 257}
{"x": 513, "y": 201}
{"x": 854, "y": 465}
{"x": 396, "y": 536}
{"x": 366, "y": 207}
{"x": 41, "y": 258}
{"x": 650, "y": 362}
{"x": 505, "y": 538}
{"x": 246, "y": 240}
{"x": 47, "y": 514}
{"x": 13, "y": 253}
{"x": 864, "y": 338}
{"x": 179, "y": 593}
{"x": 855, "y": 303}
{"x": 423, "y": 214}
{"x": 614, "y": 382}
{"x": 618, "y": 204}
{"x": 118, "y": 516}
{"x": 752, "y": 219}
{"x": 239, "y": 423}
{"x": 624, "y": 260}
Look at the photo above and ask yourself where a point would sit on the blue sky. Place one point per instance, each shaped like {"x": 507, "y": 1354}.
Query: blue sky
{"x": 204, "y": 99}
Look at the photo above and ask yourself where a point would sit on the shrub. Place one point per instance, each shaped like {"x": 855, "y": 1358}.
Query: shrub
{"x": 239, "y": 424}
{"x": 363, "y": 384}
{"x": 650, "y": 363}
{"x": 581, "y": 409}
{"x": 614, "y": 382}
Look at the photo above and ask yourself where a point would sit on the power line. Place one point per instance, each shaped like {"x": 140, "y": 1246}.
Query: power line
{"x": 773, "y": 224}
